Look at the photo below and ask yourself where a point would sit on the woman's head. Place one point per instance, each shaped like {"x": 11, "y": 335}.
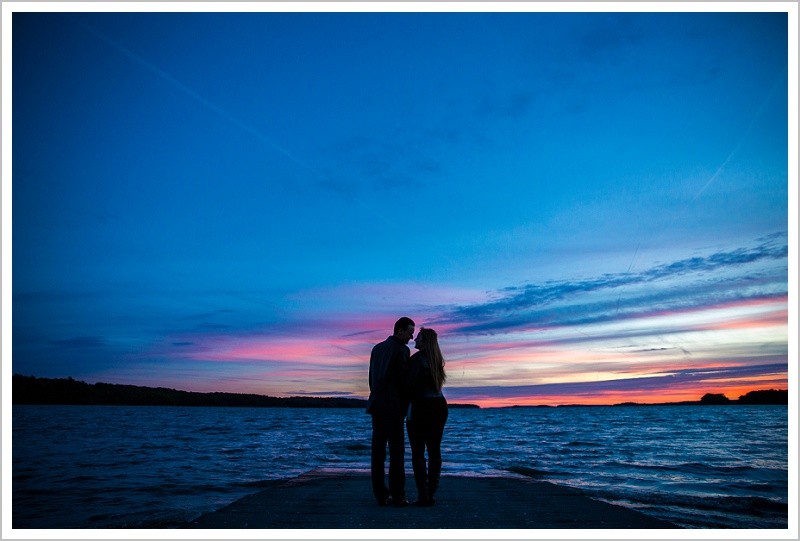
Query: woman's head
{"x": 426, "y": 338}
{"x": 428, "y": 341}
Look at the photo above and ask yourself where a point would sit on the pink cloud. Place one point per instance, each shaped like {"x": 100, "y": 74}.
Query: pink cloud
{"x": 778, "y": 318}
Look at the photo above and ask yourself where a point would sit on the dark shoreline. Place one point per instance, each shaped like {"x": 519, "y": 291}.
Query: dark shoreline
{"x": 30, "y": 390}
{"x": 33, "y": 391}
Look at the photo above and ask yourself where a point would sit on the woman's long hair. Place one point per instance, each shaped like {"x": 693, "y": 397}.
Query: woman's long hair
{"x": 430, "y": 343}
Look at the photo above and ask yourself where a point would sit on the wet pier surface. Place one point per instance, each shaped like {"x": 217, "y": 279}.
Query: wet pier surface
{"x": 342, "y": 499}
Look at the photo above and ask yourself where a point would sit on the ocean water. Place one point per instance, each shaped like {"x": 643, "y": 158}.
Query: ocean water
{"x": 160, "y": 467}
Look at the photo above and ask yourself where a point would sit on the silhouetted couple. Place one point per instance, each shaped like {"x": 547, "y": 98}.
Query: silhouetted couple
{"x": 403, "y": 385}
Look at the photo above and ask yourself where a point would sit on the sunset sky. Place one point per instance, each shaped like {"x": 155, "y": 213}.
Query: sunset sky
{"x": 589, "y": 207}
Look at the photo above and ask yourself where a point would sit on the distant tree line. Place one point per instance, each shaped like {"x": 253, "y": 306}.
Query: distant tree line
{"x": 33, "y": 390}
{"x": 768, "y": 397}
{"x": 45, "y": 391}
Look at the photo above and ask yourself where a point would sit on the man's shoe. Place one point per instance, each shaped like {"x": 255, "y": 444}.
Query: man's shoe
{"x": 401, "y": 503}
{"x": 423, "y": 503}
{"x": 384, "y": 503}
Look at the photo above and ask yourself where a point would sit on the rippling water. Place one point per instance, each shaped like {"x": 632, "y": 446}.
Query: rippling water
{"x": 159, "y": 467}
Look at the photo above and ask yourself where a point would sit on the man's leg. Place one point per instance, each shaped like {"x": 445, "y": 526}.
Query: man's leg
{"x": 397, "y": 449}
{"x": 378, "y": 459}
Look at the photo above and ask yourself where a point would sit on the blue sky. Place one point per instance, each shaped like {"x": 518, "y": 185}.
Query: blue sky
{"x": 590, "y": 207}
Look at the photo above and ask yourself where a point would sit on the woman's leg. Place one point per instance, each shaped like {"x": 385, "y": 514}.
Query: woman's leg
{"x": 416, "y": 439}
{"x": 434, "y": 442}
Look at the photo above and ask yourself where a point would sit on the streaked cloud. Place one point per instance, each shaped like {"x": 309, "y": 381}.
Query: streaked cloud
{"x": 632, "y": 295}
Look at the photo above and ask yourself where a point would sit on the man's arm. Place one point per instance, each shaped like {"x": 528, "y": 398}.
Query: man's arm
{"x": 370, "y": 375}
{"x": 379, "y": 367}
{"x": 399, "y": 370}
{"x": 411, "y": 377}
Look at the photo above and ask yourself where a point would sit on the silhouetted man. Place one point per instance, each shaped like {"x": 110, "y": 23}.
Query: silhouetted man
{"x": 387, "y": 405}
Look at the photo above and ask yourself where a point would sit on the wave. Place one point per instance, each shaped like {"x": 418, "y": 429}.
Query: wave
{"x": 752, "y": 505}
{"x": 693, "y": 468}
{"x": 264, "y": 483}
{"x": 348, "y": 446}
{"x": 583, "y": 444}
{"x": 534, "y": 473}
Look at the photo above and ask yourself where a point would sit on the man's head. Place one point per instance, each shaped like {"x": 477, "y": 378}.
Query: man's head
{"x": 404, "y": 329}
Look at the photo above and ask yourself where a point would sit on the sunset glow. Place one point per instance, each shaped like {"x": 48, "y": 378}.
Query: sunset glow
{"x": 589, "y": 208}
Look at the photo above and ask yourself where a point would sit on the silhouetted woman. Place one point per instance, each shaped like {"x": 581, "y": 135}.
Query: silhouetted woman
{"x": 427, "y": 414}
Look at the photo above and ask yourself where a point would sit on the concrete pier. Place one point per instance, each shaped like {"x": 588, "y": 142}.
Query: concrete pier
{"x": 342, "y": 499}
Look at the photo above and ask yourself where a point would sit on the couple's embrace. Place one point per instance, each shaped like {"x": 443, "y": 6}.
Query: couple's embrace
{"x": 408, "y": 386}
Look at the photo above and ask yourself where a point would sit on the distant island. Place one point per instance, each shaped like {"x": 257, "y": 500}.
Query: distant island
{"x": 770, "y": 397}
{"x": 30, "y": 390}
